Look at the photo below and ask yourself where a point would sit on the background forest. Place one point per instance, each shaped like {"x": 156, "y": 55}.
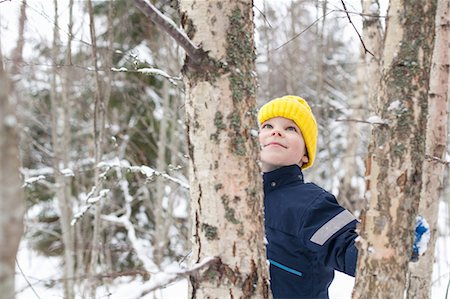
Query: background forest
{"x": 101, "y": 123}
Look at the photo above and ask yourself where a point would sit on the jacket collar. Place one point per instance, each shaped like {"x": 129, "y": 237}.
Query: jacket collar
{"x": 282, "y": 176}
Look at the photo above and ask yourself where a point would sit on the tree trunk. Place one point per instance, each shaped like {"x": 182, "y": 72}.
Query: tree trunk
{"x": 226, "y": 197}
{"x": 368, "y": 74}
{"x": 60, "y": 123}
{"x": 162, "y": 222}
{"x": 18, "y": 51}
{"x": 100, "y": 105}
{"x": 12, "y": 203}
{"x": 436, "y": 143}
{"x": 395, "y": 166}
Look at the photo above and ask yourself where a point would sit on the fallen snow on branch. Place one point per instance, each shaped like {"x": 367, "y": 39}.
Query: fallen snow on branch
{"x": 376, "y": 120}
{"x": 67, "y": 172}
{"x": 33, "y": 180}
{"x": 164, "y": 278}
{"x": 150, "y": 71}
{"x": 90, "y": 202}
{"x": 149, "y": 172}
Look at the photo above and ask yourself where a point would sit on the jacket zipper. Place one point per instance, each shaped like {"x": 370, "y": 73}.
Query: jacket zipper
{"x": 286, "y": 268}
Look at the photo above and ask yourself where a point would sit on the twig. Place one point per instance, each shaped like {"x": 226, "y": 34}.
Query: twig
{"x": 25, "y": 277}
{"x": 448, "y": 287}
{"x": 166, "y": 24}
{"x": 362, "y": 121}
{"x": 359, "y": 35}
{"x": 264, "y": 16}
{"x": 433, "y": 158}
{"x": 297, "y": 35}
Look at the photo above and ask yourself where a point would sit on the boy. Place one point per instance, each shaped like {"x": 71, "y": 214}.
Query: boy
{"x": 309, "y": 234}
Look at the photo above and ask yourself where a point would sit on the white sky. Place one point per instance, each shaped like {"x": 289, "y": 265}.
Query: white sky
{"x": 40, "y": 20}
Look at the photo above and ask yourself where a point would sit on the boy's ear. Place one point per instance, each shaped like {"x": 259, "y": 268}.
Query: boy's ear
{"x": 304, "y": 159}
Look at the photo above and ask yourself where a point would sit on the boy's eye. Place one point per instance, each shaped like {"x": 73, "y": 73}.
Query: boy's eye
{"x": 267, "y": 126}
{"x": 291, "y": 128}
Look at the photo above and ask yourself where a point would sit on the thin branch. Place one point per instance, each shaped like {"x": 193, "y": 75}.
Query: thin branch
{"x": 297, "y": 35}
{"x": 175, "y": 276}
{"x": 25, "y": 277}
{"x": 359, "y": 35}
{"x": 264, "y": 16}
{"x": 362, "y": 121}
{"x": 166, "y": 24}
{"x": 436, "y": 159}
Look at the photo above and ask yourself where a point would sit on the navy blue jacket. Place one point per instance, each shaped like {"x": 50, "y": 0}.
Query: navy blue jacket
{"x": 309, "y": 235}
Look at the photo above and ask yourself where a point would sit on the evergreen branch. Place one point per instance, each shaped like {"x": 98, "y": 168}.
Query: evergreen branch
{"x": 166, "y": 24}
{"x": 353, "y": 25}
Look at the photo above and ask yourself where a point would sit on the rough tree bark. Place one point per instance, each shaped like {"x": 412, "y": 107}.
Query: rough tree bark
{"x": 419, "y": 283}
{"x": 12, "y": 203}
{"x": 395, "y": 165}
{"x": 226, "y": 198}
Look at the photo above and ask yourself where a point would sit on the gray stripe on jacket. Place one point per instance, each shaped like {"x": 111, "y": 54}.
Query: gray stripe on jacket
{"x": 332, "y": 226}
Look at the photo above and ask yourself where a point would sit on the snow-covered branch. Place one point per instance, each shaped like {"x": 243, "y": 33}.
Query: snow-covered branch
{"x": 372, "y": 120}
{"x": 148, "y": 71}
{"x": 149, "y": 172}
{"x": 91, "y": 201}
{"x": 166, "y": 24}
{"x": 162, "y": 279}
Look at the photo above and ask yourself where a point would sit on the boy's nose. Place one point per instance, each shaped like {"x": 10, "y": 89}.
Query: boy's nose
{"x": 276, "y": 132}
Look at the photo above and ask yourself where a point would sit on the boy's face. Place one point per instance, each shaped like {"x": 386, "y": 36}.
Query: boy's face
{"x": 282, "y": 144}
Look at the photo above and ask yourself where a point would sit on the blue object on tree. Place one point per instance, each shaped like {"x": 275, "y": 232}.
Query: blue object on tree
{"x": 422, "y": 236}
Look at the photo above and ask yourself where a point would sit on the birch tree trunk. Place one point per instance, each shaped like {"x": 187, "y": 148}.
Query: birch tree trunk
{"x": 12, "y": 203}
{"x": 419, "y": 284}
{"x": 395, "y": 166}
{"x": 226, "y": 198}
{"x": 60, "y": 124}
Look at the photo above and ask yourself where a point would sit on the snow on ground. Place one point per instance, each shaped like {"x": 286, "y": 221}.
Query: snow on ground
{"x": 42, "y": 273}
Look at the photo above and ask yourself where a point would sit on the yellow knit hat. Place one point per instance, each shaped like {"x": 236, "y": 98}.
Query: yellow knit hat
{"x": 296, "y": 109}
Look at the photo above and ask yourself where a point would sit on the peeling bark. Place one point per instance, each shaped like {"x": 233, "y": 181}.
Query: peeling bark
{"x": 419, "y": 283}
{"x": 226, "y": 197}
{"x": 387, "y": 227}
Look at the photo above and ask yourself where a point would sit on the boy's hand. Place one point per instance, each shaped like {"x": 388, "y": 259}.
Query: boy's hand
{"x": 422, "y": 236}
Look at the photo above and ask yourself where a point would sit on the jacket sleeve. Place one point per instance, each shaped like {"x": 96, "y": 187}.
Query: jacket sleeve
{"x": 329, "y": 230}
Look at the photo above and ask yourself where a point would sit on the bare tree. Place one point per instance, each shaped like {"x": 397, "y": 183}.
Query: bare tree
{"x": 367, "y": 75}
{"x": 101, "y": 97}
{"x": 419, "y": 283}
{"x": 12, "y": 204}
{"x": 60, "y": 131}
{"x": 395, "y": 165}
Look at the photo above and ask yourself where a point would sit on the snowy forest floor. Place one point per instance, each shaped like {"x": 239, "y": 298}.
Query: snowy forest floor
{"x": 42, "y": 273}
